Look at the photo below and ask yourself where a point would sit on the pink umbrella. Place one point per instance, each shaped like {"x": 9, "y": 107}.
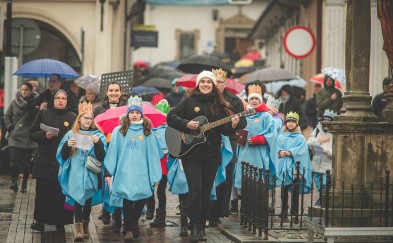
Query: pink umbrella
{"x": 189, "y": 81}
{"x": 111, "y": 117}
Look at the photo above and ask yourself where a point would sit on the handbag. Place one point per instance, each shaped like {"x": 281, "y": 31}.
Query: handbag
{"x": 93, "y": 164}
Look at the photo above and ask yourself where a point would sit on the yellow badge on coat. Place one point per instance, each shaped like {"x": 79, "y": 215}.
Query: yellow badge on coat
{"x": 66, "y": 124}
{"x": 140, "y": 137}
{"x": 197, "y": 109}
{"x": 256, "y": 120}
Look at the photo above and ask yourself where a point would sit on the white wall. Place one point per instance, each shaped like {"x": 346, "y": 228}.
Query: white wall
{"x": 187, "y": 18}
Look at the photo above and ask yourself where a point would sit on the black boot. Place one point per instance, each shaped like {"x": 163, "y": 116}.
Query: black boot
{"x": 135, "y": 229}
{"x": 183, "y": 215}
{"x": 14, "y": 184}
{"x": 116, "y": 221}
{"x": 159, "y": 221}
{"x": 201, "y": 233}
{"x": 151, "y": 204}
{"x": 106, "y": 217}
{"x": 234, "y": 206}
{"x": 194, "y": 232}
{"x": 183, "y": 226}
{"x": 37, "y": 226}
{"x": 24, "y": 182}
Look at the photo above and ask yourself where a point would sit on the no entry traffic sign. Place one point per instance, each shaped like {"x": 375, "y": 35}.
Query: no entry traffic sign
{"x": 299, "y": 41}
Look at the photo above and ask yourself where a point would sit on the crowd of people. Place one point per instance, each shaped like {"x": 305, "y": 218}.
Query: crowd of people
{"x": 48, "y": 127}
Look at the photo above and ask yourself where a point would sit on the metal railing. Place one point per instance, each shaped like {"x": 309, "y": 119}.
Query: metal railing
{"x": 342, "y": 204}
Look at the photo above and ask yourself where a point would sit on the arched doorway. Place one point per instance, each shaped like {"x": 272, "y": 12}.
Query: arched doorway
{"x": 54, "y": 45}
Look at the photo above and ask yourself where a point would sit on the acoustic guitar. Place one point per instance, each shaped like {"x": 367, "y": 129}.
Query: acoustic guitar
{"x": 183, "y": 145}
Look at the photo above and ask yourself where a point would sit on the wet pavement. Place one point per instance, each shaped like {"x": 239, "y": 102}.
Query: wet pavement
{"x": 16, "y": 215}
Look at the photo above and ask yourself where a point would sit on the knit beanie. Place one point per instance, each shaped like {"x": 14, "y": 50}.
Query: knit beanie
{"x": 206, "y": 74}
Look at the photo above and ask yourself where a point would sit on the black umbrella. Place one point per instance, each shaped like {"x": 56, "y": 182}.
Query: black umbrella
{"x": 240, "y": 71}
{"x": 161, "y": 71}
{"x": 160, "y": 83}
{"x": 197, "y": 63}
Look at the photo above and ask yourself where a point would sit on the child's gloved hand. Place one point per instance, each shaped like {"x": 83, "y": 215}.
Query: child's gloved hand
{"x": 257, "y": 140}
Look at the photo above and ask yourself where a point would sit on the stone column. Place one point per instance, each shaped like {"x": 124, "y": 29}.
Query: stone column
{"x": 361, "y": 144}
{"x": 357, "y": 99}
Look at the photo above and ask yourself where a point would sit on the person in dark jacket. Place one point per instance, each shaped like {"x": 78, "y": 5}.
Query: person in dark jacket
{"x": 113, "y": 98}
{"x": 311, "y": 107}
{"x": 201, "y": 166}
{"x": 49, "y": 200}
{"x": 176, "y": 95}
{"x": 379, "y": 101}
{"x": 328, "y": 98}
{"x": 54, "y": 84}
{"x": 18, "y": 119}
{"x": 290, "y": 103}
{"x": 220, "y": 207}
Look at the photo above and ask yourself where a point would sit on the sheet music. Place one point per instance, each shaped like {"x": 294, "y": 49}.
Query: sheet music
{"x": 53, "y": 130}
{"x": 83, "y": 141}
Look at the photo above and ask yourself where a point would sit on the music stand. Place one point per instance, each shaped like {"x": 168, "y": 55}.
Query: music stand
{"x": 124, "y": 78}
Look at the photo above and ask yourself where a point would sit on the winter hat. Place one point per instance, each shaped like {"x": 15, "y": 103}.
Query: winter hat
{"x": 135, "y": 103}
{"x": 206, "y": 74}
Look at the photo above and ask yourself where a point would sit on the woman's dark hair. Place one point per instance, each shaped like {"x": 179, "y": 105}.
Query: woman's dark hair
{"x": 28, "y": 85}
{"x": 218, "y": 102}
{"x": 126, "y": 124}
{"x": 106, "y": 99}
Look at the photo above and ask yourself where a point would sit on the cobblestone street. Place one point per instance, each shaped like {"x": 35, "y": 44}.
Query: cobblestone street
{"x": 16, "y": 215}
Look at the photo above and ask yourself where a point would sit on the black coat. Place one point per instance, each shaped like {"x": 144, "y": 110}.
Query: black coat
{"x": 45, "y": 163}
{"x": 105, "y": 105}
{"x": 200, "y": 105}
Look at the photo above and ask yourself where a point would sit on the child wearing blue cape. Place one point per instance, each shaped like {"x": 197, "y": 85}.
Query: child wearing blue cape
{"x": 292, "y": 147}
{"x": 261, "y": 147}
{"x": 81, "y": 185}
{"x": 133, "y": 163}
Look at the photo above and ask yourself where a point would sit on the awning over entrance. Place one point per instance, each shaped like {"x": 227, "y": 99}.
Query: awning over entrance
{"x": 274, "y": 16}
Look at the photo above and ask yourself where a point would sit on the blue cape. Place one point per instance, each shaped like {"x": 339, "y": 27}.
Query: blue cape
{"x": 77, "y": 182}
{"x": 261, "y": 156}
{"x": 297, "y": 145}
{"x": 134, "y": 162}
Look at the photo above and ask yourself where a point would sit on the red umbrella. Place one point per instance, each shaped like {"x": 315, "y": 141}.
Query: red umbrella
{"x": 111, "y": 117}
{"x": 318, "y": 79}
{"x": 189, "y": 81}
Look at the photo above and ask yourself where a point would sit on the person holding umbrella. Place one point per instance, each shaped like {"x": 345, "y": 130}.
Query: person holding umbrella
{"x": 328, "y": 98}
{"x": 49, "y": 199}
{"x": 201, "y": 167}
{"x": 17, "y": 120}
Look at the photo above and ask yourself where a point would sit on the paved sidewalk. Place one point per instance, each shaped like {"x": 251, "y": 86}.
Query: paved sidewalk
{"x": 16, "y": 215}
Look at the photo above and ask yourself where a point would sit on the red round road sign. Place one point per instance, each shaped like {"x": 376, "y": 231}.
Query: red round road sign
{"x": 299, "y": 41}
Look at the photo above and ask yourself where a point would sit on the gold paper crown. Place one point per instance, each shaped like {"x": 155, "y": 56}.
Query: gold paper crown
{"x": 85, "y": 107}
{"x": 220, "y": 74}
{"x": 254, "y": 88}
{"x": 292, "y": 116}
